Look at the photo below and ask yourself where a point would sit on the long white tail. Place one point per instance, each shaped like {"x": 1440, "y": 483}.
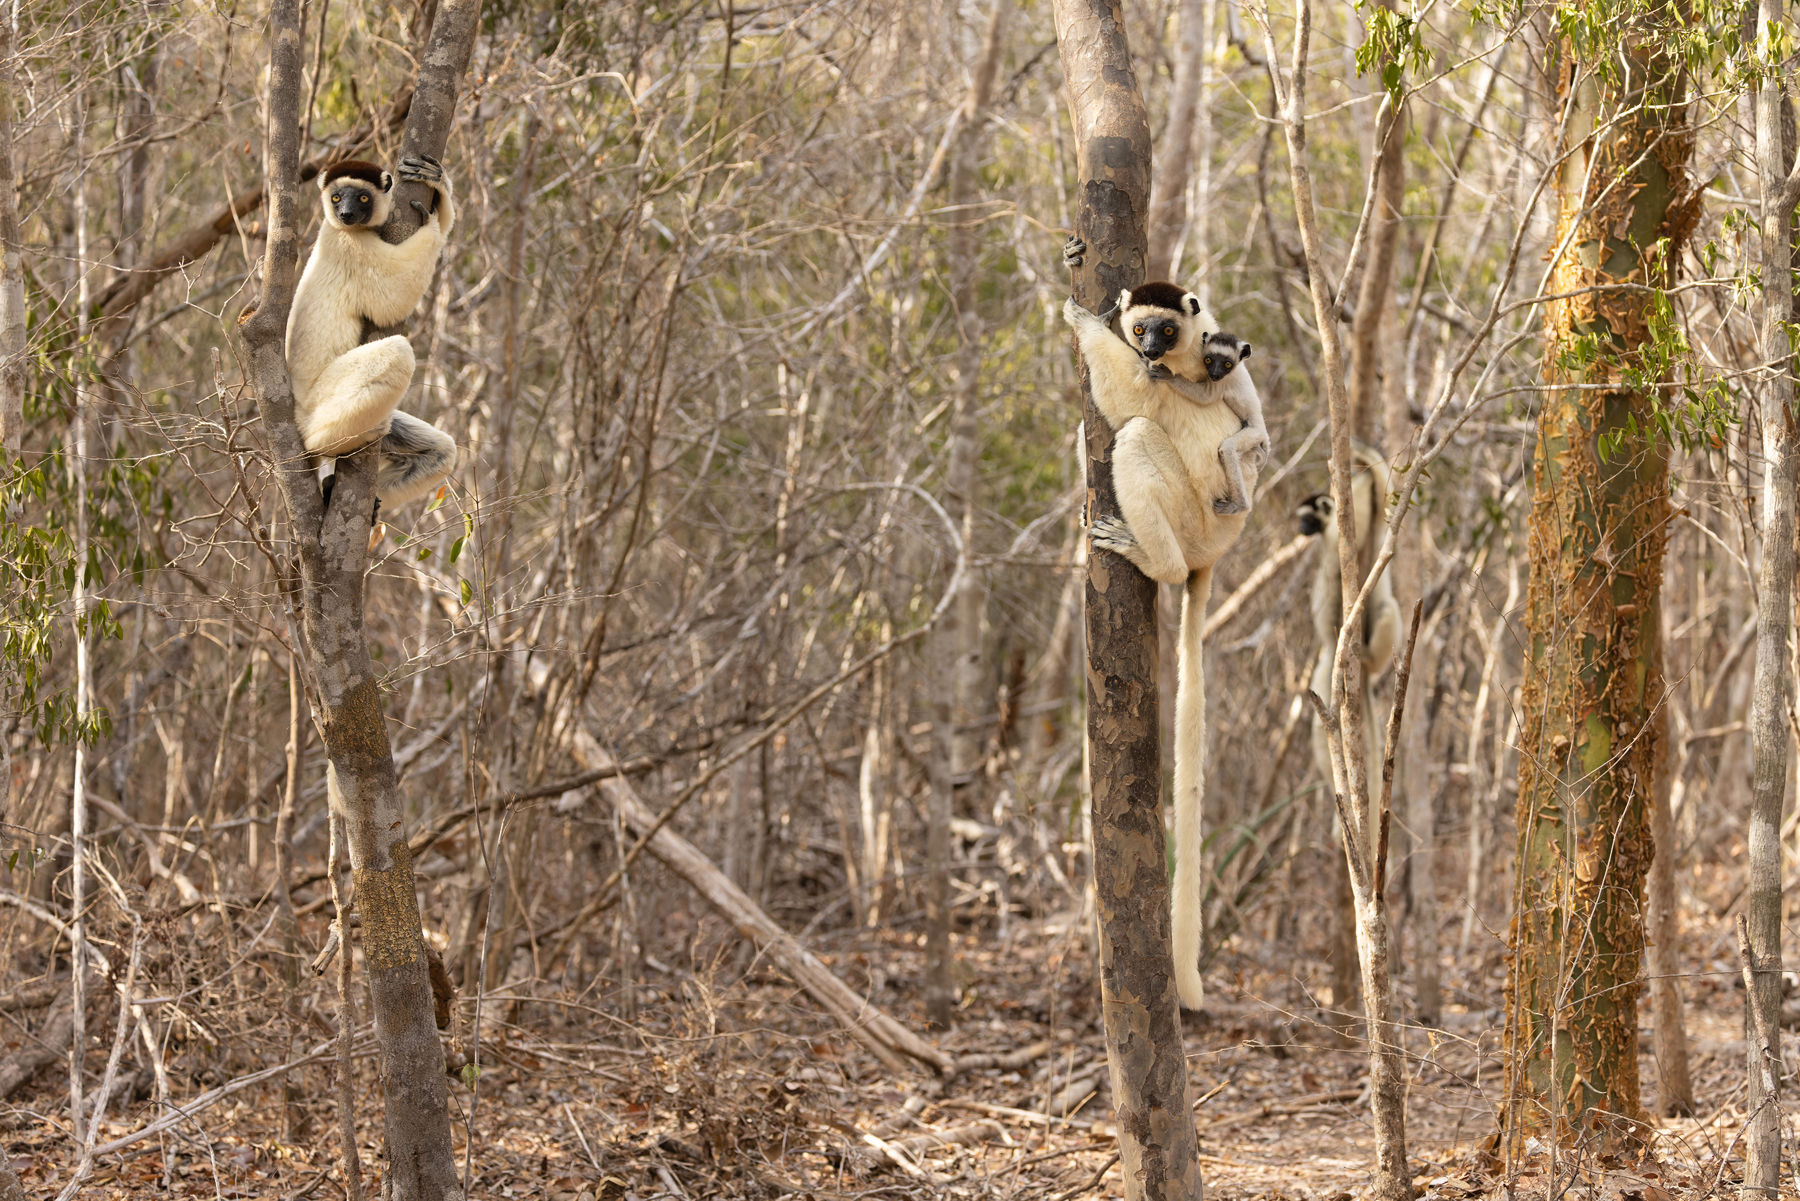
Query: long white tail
{"x": 1190, "y": 788}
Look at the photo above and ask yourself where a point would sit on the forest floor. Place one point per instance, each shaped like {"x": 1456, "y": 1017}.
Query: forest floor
{"x": 729, "y": 1083}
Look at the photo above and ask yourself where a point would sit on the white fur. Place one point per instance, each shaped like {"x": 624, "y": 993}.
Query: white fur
{"x": 346, "y": 394}
{"x": 1167, "y": 473}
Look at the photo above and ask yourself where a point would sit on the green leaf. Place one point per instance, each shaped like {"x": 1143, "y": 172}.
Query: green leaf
{"x": 456, "y": 549}
{"x": 470, "y": 1074}
{"x": 468, "y": 592}
{"x": 424, "y": 553}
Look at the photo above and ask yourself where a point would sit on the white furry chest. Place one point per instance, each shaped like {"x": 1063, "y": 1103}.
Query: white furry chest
{"x": 324, "y": 324}
{"x": 1194, "y": 429}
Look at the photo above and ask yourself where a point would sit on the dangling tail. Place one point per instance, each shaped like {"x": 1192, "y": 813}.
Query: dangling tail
{"x": 1190, "y": 788}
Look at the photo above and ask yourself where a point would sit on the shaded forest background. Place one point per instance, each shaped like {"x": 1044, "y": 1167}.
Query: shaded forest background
{"x": 700, "y": 335}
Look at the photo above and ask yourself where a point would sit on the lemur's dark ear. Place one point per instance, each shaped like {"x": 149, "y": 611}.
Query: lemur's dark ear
{"x": 1193, "y": 305}
{"x": 387, "y": 182}
{"x": 1246, "y": 353}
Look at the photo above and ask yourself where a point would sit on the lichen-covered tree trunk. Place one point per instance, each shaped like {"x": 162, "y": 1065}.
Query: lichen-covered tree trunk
{"x": 1593, "y": 677}
{"x": 1157, "y": 1143}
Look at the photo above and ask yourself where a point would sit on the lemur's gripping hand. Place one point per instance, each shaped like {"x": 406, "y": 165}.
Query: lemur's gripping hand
{"x": 423, "y": 169}
{"x": 1158, "y": 372}
{"x": 1073, "y": 251}
{"x": 1224, "y": 506}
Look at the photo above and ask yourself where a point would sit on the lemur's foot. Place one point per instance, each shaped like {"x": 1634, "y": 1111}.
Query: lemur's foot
{"x": 1158, "y": 372}
{"x": 423, "y": 169}
{"x": 1224, "y": 506}
{"x": 1110, "y": 533}
{"x": 420, "y": 205}
{"x": 1073, "y": 251}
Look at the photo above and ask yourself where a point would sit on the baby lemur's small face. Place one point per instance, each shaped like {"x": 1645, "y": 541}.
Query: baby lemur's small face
{"x": 1220, "y": 353}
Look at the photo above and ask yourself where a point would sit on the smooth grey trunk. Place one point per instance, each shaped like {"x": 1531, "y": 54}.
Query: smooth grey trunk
{"x": 1372, "y": 297}
{"x": 284, "y": 872}
{"x": 12, "y": 279}
{"x": 348, "y": 1154}
{"x": 332, "y": 551}
{"x": 1675, "y": 1087}
{"x": 1364, "y": 845}
{"x": 960, "y": 684}
{"x": 1484, "y": 783}
{"x": 84, "y": 668}
{"x": 1157, "y": 1145}
{"x": 1775, "y": 601}
{"x": 1175, "y": 158}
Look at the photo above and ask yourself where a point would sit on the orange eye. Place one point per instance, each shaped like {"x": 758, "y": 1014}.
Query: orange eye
{"x": 1138, "y": 330}
{"x": 1209, "y": 360}
{"x": 364, "y": 198}
{"x": 1168, "y": 331}
{"x": 336, "y": 196}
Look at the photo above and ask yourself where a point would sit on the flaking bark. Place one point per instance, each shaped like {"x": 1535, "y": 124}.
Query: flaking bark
{"x": 1598, "y": 524}
{"x": 1157, "y": 1143}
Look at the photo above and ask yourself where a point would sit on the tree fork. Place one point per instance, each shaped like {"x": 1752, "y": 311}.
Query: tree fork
{"x": 1148, "y": 1066}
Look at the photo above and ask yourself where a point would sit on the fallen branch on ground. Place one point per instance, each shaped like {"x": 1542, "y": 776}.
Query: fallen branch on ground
{"x": 1269, "y": 1109}
{"x": 886, "y": 1038}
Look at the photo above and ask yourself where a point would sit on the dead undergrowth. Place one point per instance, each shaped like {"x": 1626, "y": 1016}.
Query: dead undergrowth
{"x": 720, "y": 1079}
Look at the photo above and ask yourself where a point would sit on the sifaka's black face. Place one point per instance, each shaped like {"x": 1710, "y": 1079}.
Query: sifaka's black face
{"x": 1155, "y": 333}
{"x": 1314, "y": 512}
{"x": 352, "y": 201}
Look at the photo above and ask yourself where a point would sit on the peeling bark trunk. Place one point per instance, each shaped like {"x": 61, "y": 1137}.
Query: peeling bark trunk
{"x": 1593, "y": 618}
{"x": 332, "y": 549}
{"x": 1131, "y": 882}
{"x": 1775, "y": 593}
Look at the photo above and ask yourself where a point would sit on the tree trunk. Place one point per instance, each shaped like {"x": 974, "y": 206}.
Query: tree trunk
{"x": 1598, "y": 524}
{"x": 1372, "y": 302}
{"x": 12, "y": 282}
{"x": 332, "y": 550}
{"x": 956, "y": 644}
{"x": 1664, "y": 930}
{"x": 1774, "y": 611}
{"x": 1168, "y": 196}
{"x": 1131, "y": 883}
{"x": 1365, "y": 847}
